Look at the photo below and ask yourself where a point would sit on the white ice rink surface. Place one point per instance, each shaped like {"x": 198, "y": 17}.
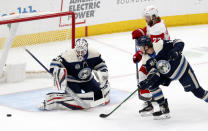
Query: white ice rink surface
{"x": 187, "y": 112}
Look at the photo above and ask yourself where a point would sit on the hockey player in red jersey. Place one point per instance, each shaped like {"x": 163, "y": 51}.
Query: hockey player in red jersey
{"x": 156, "y": 29}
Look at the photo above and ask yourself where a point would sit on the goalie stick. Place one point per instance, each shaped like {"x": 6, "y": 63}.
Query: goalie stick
{"x": 68, "y": 90}
{"x": 137, "y": 77}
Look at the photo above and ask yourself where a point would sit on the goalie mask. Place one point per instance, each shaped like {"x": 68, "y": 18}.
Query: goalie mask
{"x": 81, "y": 48}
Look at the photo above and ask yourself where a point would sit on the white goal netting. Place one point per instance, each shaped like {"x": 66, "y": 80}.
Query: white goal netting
{"x": 42, "y": 34}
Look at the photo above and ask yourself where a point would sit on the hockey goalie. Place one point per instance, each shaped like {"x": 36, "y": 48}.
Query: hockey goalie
{"x": 73, "y": 72}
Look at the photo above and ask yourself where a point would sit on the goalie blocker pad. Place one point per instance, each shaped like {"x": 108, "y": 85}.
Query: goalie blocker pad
{"x": 62, "y": 101}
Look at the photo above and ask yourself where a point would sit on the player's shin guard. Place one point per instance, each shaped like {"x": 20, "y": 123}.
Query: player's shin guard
{"x": 157, "y": 95}
{"x": 148, "y": 106}
{"x": 161, "y": 109}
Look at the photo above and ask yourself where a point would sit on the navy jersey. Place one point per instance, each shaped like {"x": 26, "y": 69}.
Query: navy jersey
{"x": 162, "y": 48}
{"x": 79, "y": 71}
{"x": 179, "y": 69}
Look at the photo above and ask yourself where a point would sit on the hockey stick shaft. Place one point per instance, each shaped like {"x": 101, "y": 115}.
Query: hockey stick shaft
{"x": 106, "y": 115}
{"x": 68, "y": 90}
{"x": 37, "y": 60}
{"x": 137, "y": 73}
{"x": 137, "y": 77}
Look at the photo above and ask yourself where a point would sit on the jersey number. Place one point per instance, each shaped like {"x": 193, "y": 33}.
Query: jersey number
{"x": 156, "y": 39}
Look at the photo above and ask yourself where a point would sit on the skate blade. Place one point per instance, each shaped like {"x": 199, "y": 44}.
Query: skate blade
{"x": 146, "y": 114}
{"x": 162, "y": 117}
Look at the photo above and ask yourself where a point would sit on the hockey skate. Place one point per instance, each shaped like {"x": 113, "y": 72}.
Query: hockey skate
{"x": 163, "y": 112}
{"x": 147, "y": 109}
{"x": 42, "y": 106}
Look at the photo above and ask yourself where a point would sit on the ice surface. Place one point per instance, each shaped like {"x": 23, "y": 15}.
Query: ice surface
{"x": 188, "y": 112}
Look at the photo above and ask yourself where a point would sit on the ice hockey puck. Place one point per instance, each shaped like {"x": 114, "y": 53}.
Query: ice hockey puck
{"x": 9, "y": 115}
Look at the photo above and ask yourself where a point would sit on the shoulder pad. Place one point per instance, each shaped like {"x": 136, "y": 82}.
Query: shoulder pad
{"x": 93, "y": 53}
{"x": 158, "y": 46}
{"x": 158, "y": 28}
{"x": 70, "y": 55}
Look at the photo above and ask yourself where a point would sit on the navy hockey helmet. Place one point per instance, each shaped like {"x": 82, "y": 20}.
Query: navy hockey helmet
{"x": 144, "y": 41}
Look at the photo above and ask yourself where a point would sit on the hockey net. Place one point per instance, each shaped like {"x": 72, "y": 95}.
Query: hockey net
{"x": 40, "y": 33}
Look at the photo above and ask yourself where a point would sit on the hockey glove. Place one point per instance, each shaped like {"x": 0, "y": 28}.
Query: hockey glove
{"x": 152, "y": 78}
{"x": 137, "y": 33}
{"x": 143, "y": 85}
{"x": 138, "y": 56}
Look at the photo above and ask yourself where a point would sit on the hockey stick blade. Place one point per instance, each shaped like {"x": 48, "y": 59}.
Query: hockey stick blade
{"x": 104, "y": 115}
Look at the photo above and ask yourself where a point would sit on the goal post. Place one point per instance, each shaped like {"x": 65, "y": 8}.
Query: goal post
{"x": 8, "y": 42}
{"x": 31, "y": 30}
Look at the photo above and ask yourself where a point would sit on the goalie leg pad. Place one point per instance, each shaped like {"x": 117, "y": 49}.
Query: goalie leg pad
{"x": 106, "y": 93}
{"x": 102, "y": 77}
{"x": 60, "y": 75}
{"x": 61, "y": 101}
{"x": 105, "y": 96}
{"x": 93, "y": 86}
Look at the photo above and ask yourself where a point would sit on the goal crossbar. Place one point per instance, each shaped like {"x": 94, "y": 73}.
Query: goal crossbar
{"x": 45, "y": 16}
{"x": 15, "y": 19}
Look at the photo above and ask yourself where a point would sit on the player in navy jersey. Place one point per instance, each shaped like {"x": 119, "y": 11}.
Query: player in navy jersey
{"x": 156, "y": 29}
{"x": 165, "y": 62}
{"x": 74, "y": 69}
